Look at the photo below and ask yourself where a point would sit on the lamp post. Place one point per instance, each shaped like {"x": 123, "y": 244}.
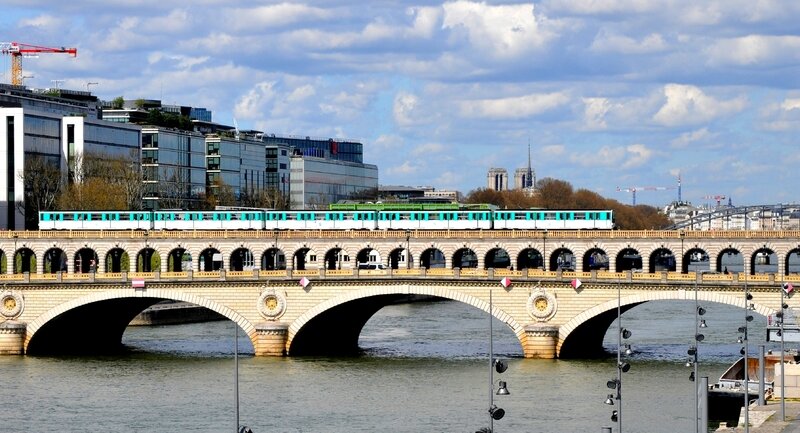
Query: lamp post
{"x": 693, "y": 362}
{"x": 408, "y": 249}
{"x": 785, "y": 289}
{"x": 744, "y": 350}
{"x": 622, "y": 367}
{"x": 545, "y": 265}
{"x": 495, "y": 413}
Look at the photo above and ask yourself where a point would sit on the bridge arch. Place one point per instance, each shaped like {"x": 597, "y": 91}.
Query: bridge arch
{"x": 85, "y": 260}
{"x": 241, "y": 259}
{"x": 595, "y": 259}
{"x": 497, "y": 258}
{"x": 335, "y": 325}
{"x": 628, "y": 259}
{"x": 764, "y": 260}
{"x": 82, "y": 341}
{"x": 792, "y": 262}
{"x": 178, "y": 260}
{"x": 662, "y": 259}
{"x": 368, "y": 255}
{"x": 465, "y": 258}
{"x": 562, "y": 258}
{"x": 3, "y": 262}
{"x": 304, "y": 258}
{"x": 530, "y": 258}
{"x": 730, "y": 260}
{"x": 432, "y": 257}
{"x": 210, "y": 259}
{"x": 397, "y": 259}
{"x": 337, "y": 258}
{"x": 273, "y": 259}
{"x": 583, "y": 335}
{"x": 55, "y": 260}
{"x": 695, "y": 260}
{"x": 24, "y": 261}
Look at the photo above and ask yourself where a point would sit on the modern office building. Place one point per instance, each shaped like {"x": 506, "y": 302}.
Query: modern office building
{"x": 57, "y": 126}
{"x": 324, "y": 171}
{"x": 317, "y": 182}
{"x": 173, "y": 168}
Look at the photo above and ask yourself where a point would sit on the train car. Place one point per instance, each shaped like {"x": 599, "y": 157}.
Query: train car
{"x": 553, "y": 219}
{"x": 435, "y": 220}
{"x": 95, "y": 220}
{"x": 320, "y": 220}
{"x": 209, "y": 220}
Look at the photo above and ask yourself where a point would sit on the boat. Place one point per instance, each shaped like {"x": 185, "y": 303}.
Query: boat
{"x": 726, "y": 397}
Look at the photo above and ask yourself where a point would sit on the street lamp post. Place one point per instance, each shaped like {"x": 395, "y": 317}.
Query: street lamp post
{"x": 408, "y": 249}
{"x": 545, "y": 265}
{"x": 744, "y": 338}
{"x": 622, "y": 367}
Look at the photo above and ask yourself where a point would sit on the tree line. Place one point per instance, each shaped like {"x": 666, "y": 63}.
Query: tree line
{"x": 559, "y": 194}
{"x": 98, "y": 181}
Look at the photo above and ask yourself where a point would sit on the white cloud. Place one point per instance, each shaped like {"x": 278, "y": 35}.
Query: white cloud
{"x": 44, "y": 22}
{"x": 755, "y": 50}
{"x": 513, "y": 107}
{"x": 428, "y": 149}
{"x": 688, "y": 138}
{"x": 612, "y": 43}
{"x": 594, "y": 112}
{"x": 253, "y": 104}
{"x": 404, "y": 108}
{"x": 783, "y": 116}
{"x": 404, "y": 169}
{"x": 503, "y": 31}
{"x": 595, "y": 7}
{"x": 552, "y": 150}
{"x": 690, "y": 105}
{"x": 637, "y": 155}
{"x": 279, "y": 15}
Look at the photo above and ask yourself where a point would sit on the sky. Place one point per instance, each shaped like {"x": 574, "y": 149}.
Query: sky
{"x": 608, "y": 93}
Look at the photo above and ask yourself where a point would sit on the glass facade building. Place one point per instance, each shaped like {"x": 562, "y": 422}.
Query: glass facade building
{"x": 317, "y": 182}
{"x": 173, "y": 168}
{"x": 336, "y": 149}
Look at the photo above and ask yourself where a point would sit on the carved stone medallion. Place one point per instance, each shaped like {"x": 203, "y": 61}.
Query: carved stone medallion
{"x": 542, "y": 306}
{"x": 271, "y": 304}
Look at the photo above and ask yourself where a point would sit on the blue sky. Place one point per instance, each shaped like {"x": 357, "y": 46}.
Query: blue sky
{"x": 608, "y": 92}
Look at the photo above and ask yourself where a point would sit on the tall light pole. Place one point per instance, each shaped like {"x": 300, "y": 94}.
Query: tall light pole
{"x": 495, "y": 413}
{"x": 622, "y": 367}
{"x": 747, "y": 318}
{"x": 694, "y": 362}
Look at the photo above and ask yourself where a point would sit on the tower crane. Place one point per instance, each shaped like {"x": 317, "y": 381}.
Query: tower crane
{"x": 718, "y": 198}
{"x": 634, "y": 189}
{"x": 19, "y": 50}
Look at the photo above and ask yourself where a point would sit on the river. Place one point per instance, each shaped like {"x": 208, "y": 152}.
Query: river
{"x": 424, "y": 368}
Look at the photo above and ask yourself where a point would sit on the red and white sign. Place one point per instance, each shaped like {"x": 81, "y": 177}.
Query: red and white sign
{"x": 137, "y": 284}
{"x": 304, "y": 282}
{"x": 505, "y": 282}
{"x": 788, "y": 288}
{"x": 576, "y": 283}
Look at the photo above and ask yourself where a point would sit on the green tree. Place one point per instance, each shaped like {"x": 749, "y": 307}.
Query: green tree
{"x": 118, "y": 103}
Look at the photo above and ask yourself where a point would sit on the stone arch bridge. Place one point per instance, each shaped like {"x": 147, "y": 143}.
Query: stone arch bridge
{"x": 321, "y": 309}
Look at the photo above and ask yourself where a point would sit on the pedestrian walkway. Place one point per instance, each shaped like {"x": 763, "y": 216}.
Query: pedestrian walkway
{"x": 766, "y": 419}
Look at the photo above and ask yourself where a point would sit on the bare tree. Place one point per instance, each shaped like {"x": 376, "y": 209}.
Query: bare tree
{"x": 173, "y": 189}
{"x": 42, "y": 182}
{"x": 269, "y": 198}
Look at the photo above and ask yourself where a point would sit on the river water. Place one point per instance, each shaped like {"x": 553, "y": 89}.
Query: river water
{"x": 424, "y": 368}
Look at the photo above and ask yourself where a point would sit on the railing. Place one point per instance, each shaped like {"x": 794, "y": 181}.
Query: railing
{"x": 401, "y": 234}
{"x": 605, "y": 277}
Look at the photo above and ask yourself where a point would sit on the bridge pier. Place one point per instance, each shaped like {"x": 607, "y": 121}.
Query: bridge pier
{"x": 541, "y": 341}
{"x": 12, "y": 337}
{"x": 271, "y": 339}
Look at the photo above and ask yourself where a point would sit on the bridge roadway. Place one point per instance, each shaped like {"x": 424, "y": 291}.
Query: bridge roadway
{"x": 318, "y": 310}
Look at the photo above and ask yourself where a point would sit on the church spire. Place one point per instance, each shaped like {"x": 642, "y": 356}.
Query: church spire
{"x": 529, "y": 174}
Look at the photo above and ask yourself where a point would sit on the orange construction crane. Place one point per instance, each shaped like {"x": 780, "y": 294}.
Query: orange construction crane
{"x": 19, "y": 50}
{"x": 718, "y": 198}
{"x": 633, "y": 189}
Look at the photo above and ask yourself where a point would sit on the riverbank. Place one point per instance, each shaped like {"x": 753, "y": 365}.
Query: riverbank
{"x": 767, "y": 419}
